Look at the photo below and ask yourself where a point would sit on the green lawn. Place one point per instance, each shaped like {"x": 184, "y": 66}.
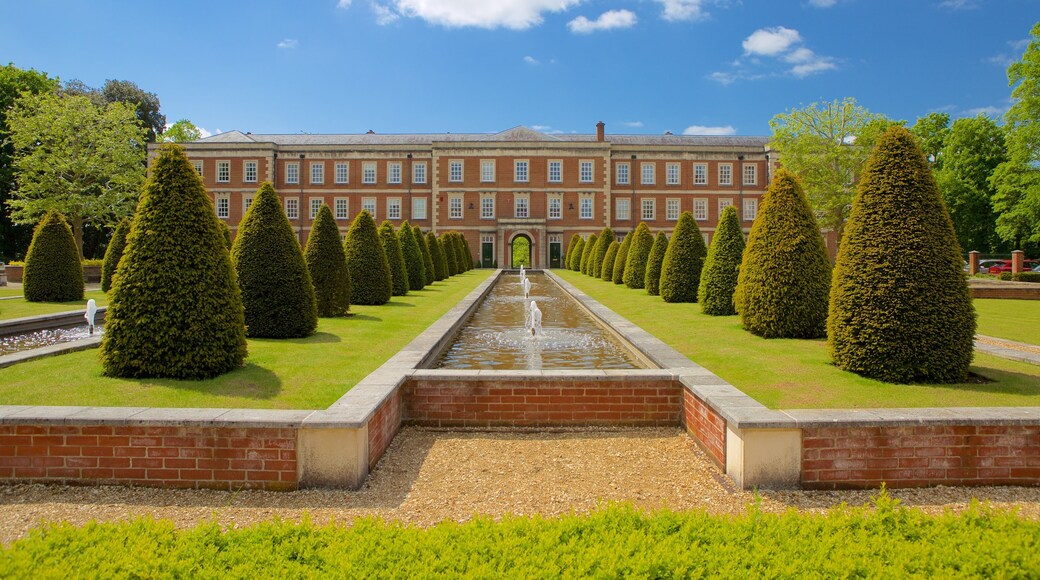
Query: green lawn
{"x": 1010, "y": 319}
{"x": 19, "y": 308}
{"x": 8, "y": 291}
{"x": 792, "y": 374}
{"x": 308, "y": 373}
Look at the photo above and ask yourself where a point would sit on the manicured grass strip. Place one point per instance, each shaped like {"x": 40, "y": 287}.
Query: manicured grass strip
{"x": 798, "y": 374}
{"x": 20, "y": 308}
{"x": 886, "y": 542}
{"x": 1009, "y": 319}
{"x": 308, "y": 373}
{"x": 4, "y": 291}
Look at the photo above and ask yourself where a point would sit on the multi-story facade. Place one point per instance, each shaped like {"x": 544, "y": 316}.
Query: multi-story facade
{"x": 493, "y": 188}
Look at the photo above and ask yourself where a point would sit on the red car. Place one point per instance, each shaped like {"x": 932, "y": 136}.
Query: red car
{"x": 1005, "y": 266}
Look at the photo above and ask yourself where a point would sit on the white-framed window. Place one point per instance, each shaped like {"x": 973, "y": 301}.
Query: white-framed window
{"x": 621, "y": 173}
{"x": 418, "y": 208}
{"x": 393, "y": 208}
{"x": 419, "y": 172}
{"x": 725, "y": 174}
{"x": 393, "y": 172}
{"x": 750, "y": 174}
{"x": 585, "y": 207}
{"x": 455, "y": 171}
{"x": 455, "y": 207}
{"x": 555, "y": 207}
{"x": 724, "y": 203}
{"x": 622, "y": 209}
{"x": 700, "y": 174}
{"x": 198, "y": 166}
{"x": 223, "y": 206}
{"x": 706, "y": 238}
{"x": 487, "y": 206}
{"x": 487, "y": 171}
{"x": 520, "y": 171}
{"x": 750, "y": 210}
{"x": 700, "y": 209}
{"x": 369, "y": 204}
{"x": 249, "y": 171}
{"x": 648, "y": 173}
{"x": 317, "y": 172}
{"x": 342, "y": 172}
{"x": 647, "y": 206}
{"x": 247, "y": 202}
{"x": 672, "y": 174}
{"x": 223, "y": 171}
{"x": 368, "y": 173}
{"x": 585, "y": 172}
{"x": 292, "y": 172}
{"x": 292, "y": 208}
{"x": 316, "y": 206}
{"x": 342, "y": 208}
{"x": 521, "y": 205}
{"x": 671, "y": 209}
{"x": 555, "y": 171}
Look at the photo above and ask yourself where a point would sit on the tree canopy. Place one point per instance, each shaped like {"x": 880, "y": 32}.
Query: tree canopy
{"x": 182, "y": 131}
{"x": 144, "y": 104}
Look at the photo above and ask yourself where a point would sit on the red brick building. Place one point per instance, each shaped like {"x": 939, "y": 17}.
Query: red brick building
{"x": 493, "y": 188}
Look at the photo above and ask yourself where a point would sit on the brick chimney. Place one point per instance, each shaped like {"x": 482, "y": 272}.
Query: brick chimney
{"x": 599, "y": 131}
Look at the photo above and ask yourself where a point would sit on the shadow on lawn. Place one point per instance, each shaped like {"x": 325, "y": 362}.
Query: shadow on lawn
{"x": 252, "y": 381}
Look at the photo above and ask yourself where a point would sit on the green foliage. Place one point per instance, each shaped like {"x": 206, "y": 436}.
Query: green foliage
{"x": 1005, "y": 276}
{"x": 440, "y": 264}
{"x": 183, "y": 131}
{"x": 462, "y": 251}
{"x": 575, "y": 260}
{"x": 588, "y": 250}
{"x": 176, "y": 308}
{"x": 900, "y": 308}
{"x": 571, "y": 247}
{"x": 785, "y": 274}
{"x": 722, "y": 266}
{"x": 638, "y": 255}
{"x": 973, "y": 148}
{"x": 468, "y": 251}
{"x": 606, "y": 271}
{"x": 621, "y": 260}
{"x": 327, "y": 264}
{"x": 370, "y": 277}
{"x": 606, "y": 235}
{"x": 449, "y": 255}
{"x": 1026, "y": 277}
{"x": 521, "y": 252}
{"x": 413, "y": 258}
{"x": 52, "y": 271}
{"x": 429, "y": 275}
{"x": 683, "y": 261}
{"x": 226, "y": 232}
{"x": 113, "y": 253}
{"x": 931, "y": 131}
{"x": 652, "y": 280}
{"x": 395, "y": 257}
{"x": 277, "y": 291}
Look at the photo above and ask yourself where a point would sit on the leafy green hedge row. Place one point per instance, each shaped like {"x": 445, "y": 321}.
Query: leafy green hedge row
{"x": 888, "y": 541}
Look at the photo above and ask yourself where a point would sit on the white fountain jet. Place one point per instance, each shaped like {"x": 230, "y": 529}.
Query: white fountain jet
{"x": 522, "y": 271}
{"x": 90, "y": 313}
{"x": 527, "y": 288}
{"x": 536, "y": 319}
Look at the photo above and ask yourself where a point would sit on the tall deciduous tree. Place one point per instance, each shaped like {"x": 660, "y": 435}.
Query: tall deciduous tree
{"x": 84, "y": 161}
{"x": 931, "y": 131}
{"x": 973, "y": 148}
{"x": 182, "y": 131}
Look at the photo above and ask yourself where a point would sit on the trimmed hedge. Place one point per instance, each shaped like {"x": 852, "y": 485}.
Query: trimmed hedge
{"x": 370, "y": 280}
{"x": 449, "y": 254}
{"x": 638, "y": 254}
{"x": 468, "y": 251}
{"x": 175, "y": 309}
{"x": 395, "y": 258}
{"x": 572, "y": 245}
{"x": 112, "y": 254}
{"x": 722, "y": 266}
{"x": 428, "y": 271}
{"x": 785, "y": 274}
{"x": 52, "y": 272}
{"x": 277, "y": 291}
{"x": 413, "y": 260}
{"x": 683, "y": 261}
{"x": 652, "y": 281}
{"x": 226, "y": 232}
{"x": 440, "y": 264}
{"x": 327, "y": 264}
{"x": 900, "y": 308}
{"x": 575, "y": 261}
{"x": 621, "y": 260}
{"x": 1026, "y": 277}
{"x": 606, "y": 235}
{"x": 606, "y": 272}
{"x": 588, "y": 251}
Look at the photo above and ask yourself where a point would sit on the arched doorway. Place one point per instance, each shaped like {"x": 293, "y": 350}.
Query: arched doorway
{"x": 521, "y": 251}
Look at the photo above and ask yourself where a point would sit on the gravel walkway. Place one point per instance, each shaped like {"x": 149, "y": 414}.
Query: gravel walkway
{"x": 430, "y": 476}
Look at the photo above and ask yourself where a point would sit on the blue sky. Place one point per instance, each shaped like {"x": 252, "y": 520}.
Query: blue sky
{"x": 420, "y": 66}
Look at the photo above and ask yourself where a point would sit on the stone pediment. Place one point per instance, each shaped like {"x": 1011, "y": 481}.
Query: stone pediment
{"x": 521, "y": 133}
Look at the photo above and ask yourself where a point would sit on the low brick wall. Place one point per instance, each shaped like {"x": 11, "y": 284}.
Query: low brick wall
{"x": 1007, "y": 293}
{"x": 843, "y": 458}
{"x": 383, "y": 426}
{"x": 706, "y": 426}
{"x": 169, "y": 457}
{"x": 91, "y": 274}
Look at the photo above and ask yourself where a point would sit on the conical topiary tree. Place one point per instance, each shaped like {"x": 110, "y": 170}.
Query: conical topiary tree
{"x": 440, "y": 265}
{"x": 606, "y": 235}
{"x": 460, "y": 252}
{"x": 53, "y": 272}
{"x": 175, "y": 309}
{"x": 579, "y": 249}
{"x": 621, "y": 260}
{"x": 112, "y": 254}
{"x": 426, "y": 256}
{"x": 900, "y": 310}
{"x": 683, "y": 260}
{"x": 395, "y": 257}
{"x": 785, "y": 274}
{"x": 638, "y": 254}
{"x": 652, "y": 281}
{"x": 370, "y": 281}
{"x": 572, "y": 245}
{"x": 721, "y": 267}
{"x": 226, "y": 232}
{"x": 277, "y": 291}
{"x": 587, "y": 251}
{"x": 469, "y": 252}
{"x": 327, "y": 264}
{"x": 413, "y": 260}
{"x": 606, "y": 271}
{"x": 449, "y": 254}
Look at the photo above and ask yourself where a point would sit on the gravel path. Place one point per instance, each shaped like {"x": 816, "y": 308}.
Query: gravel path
{"x": 429, "y": 476}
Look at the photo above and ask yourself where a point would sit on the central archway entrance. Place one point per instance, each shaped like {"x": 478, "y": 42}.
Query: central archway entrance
{"x": 520, "y": 251}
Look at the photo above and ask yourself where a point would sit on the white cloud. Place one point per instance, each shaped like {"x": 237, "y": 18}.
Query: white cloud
{"x": 676, "y": 10}
{"x": 541, "y": 127}
{"x": 384, "y": 14}
{"x": 705, "y": 130}
{"x": 513, "y": 14}
{"x": 818, "y": 64}
{"x": 1019, "y": 44}
{"x": 771, "y": 41}
{"x": 959, "y": 4}
{"x": 532, "y": 60}
{"x": 990, "y": 111}
{"x": 343, "y": 4}
{"x": 288, "y": 43}
{"x": 822, "y": 3}
{"x": 609, "y": 20}
{"x": 205, "y": 133}
{"x": 634, "y": 124}
{"x": 723, "y": 78}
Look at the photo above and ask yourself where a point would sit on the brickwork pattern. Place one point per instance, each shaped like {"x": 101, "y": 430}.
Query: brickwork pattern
{"x": 1018, "y": 293}
{"x": 169, "y": 457}
{"x": 843, "y": 458}
{"x": 383, "y": 426}
{"x": 706, "y": 426}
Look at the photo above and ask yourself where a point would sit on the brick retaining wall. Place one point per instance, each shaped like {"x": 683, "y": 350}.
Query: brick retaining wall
{"x": 383, "y": 426}
{"x": 706, "y": 426}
